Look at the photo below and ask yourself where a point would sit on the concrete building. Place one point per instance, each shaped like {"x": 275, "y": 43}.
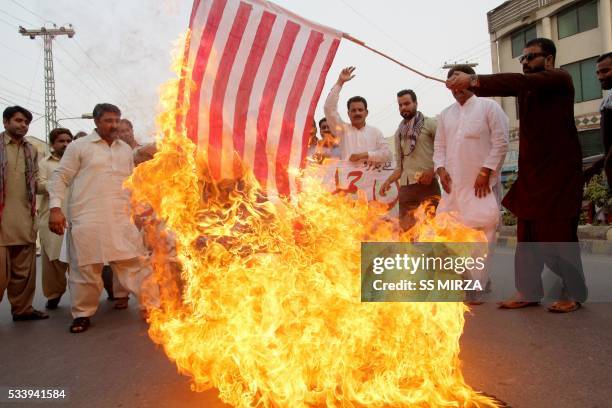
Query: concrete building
{"x": 581, "y": 31}
{"x": 41, "y": 146}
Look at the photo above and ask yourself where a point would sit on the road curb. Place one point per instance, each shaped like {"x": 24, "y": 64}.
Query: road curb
{"x": 587, "y": 246}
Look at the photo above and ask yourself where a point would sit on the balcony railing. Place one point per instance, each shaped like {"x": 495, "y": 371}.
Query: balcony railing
{"x": 514, "y": 10}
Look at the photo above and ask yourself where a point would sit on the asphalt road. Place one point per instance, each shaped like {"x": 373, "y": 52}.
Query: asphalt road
{"x": 528, "y": 358}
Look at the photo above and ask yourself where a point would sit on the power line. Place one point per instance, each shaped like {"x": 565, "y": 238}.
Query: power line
{"x": 15, "y": 18}
{"x": 12, "y": 102}
{"x": 98, "y": 83}
{"x": 36, "y": 101}
{"x": 31, "y": 12}
{"x": 14, "y": 82}
{"x": 399, "y": 44}
{"x": 78, "y": 78}
{"x": 8, "y": 23}
{"x": 110, "y": 79}
{"x": 87, "y": 55}
{"x": 479, "y": 45}
{"x": 35, "y": 73}
{"x": 22, "y": 97}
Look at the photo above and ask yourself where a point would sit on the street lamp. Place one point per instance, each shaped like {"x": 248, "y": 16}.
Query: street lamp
{"x": 83, "y": 116}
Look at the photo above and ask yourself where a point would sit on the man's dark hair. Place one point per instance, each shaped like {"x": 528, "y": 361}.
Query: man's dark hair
{"x": 604, "y": 56}
{"x": 13, "y": 110}
{"x": 546, "y": 44}
{"x": 126, "y": 121}
{"x": 407, "y": 92}
{"x": 322, "y": 120}
{"x": 356, "y": 99}
{"x": 79, "y": 134}
{"x": 102, "y": 108}
{"x": 59, "y": 131}
{"x": 466, "y": 69}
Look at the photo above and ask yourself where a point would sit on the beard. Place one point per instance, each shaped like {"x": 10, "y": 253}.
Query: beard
{"x": 408, "y": 115}
{"x": 606, "y": 84}
{"x": 531, "y": 70}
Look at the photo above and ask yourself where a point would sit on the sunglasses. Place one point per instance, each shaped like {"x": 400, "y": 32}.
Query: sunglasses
{"x": 530, "y": 56}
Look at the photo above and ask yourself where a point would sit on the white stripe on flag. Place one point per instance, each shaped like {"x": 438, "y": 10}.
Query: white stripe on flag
{"x": 227, "y": 155}
{"x": 280, "y": 103}
{"x": 258, "y": 89}
{"x": 300, "y": 120}
{"x": 229, "y": 15}
{"x": 232, "y": 72}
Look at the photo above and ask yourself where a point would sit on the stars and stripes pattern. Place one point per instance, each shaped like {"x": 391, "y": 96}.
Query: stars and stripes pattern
{"x": 257, "y": 72}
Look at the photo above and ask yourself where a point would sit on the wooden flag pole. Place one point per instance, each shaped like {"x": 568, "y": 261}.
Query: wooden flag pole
{"x": 359, "y": 42}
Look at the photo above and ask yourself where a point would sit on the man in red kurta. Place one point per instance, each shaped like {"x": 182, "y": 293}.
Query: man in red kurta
{"x": 547, "y": 195}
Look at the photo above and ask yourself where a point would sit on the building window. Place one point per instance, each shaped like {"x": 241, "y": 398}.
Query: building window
{"x": 577, "y": 19}
{"x": 586, "y": 85}
{"x": 590, "y": 142}
{"x": 522, "y": 37}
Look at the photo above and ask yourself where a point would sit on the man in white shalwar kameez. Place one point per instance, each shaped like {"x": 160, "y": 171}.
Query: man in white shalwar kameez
{"x": 358, "y": 141}
{"x": 469, "y": 150}
{"x": 101, "y": 230}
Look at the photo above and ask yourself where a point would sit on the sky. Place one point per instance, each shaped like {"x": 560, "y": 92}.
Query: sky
{"x": 121, "y": 53}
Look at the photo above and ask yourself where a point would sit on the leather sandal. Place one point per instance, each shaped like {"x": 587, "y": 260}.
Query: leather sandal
{"x": 80, "y": 324}
{"x": 559, "y": 307}
{"x": 516, "y": 304}
{"x": 32, "y": 315}
{"x": 121, "y": 303}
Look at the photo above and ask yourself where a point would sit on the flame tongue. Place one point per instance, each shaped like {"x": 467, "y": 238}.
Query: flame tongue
{"x": 262, "y": 302}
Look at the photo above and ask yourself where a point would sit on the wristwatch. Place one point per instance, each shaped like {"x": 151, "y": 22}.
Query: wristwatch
{"x": 473, "y": 81}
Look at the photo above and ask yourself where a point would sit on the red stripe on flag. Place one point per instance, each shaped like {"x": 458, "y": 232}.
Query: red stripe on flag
{"x": 194, "y": 11}
{"x": 180, "y": 96}
{"x": 206, "y": 43}
{"x": 248, "y": 78}
{"x": 215, "y": 141}
{"x": 267, "y": 101}
{"x": 317, "y": 94}
{"x": 297, "y": 89}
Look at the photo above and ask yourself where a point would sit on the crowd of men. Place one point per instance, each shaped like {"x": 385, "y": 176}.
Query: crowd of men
{"x": 83, "y": 217}
{"x": 89, "y": 241}
{"x": 466, "y": 148}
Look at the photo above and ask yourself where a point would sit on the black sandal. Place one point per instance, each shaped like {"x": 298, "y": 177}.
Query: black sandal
{"x": 79, "y": 325}
{"x": 121, "y": 303}
{"x": 32, "y": 315}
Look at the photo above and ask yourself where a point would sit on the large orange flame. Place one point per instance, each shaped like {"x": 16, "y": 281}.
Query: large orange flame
{"x": 262, "y": 301}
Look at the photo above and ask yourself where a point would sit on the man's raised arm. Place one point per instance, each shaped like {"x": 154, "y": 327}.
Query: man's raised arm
{"x": 330, "y": 108}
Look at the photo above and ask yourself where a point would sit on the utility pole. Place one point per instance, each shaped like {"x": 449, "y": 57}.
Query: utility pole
{"x": 48, "y": 34}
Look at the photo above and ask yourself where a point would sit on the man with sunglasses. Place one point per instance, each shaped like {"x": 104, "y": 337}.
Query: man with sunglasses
{"x": 604, "y": 75}
{"x": 547, "y": 195}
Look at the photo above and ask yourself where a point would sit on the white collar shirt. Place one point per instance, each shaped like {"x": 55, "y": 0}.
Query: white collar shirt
{"x": 469, "y": 137}
{"x": 99, "y": 206}
{"x": 352, "y": 140}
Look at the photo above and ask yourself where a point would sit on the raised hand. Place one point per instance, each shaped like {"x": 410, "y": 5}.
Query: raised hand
{"x": 346, "y": 75}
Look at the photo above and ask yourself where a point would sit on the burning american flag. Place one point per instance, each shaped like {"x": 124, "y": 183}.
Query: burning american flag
{"x": 257, "y": 71}
{"x": 259, "y": 299}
